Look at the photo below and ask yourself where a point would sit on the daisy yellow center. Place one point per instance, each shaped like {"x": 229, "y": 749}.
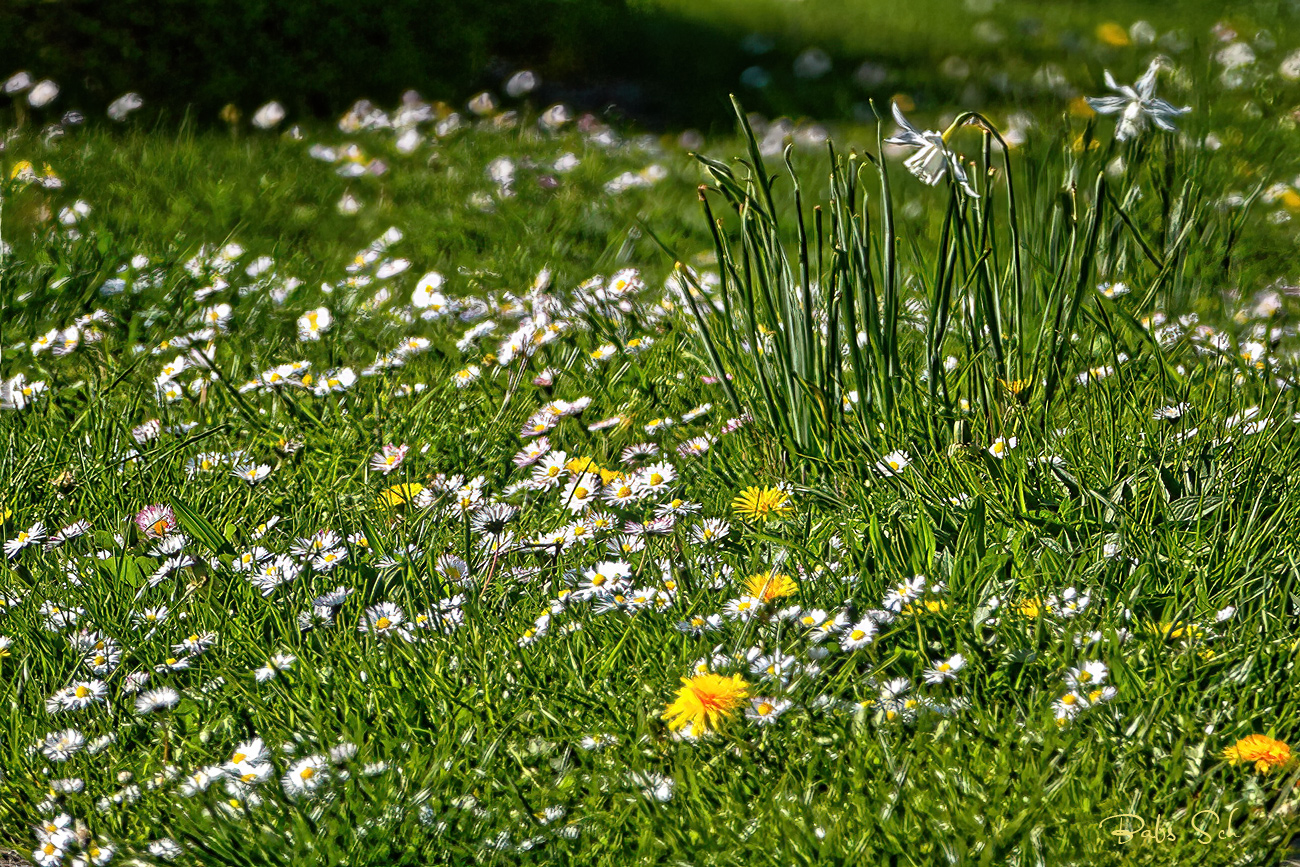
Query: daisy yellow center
{"x": 857, "y": 635}
{"x": 383, "y": 623}
{"x": 764, "y": 709}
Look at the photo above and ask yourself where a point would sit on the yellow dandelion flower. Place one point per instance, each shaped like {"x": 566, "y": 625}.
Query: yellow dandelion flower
{"x": 1030, "y": 608}
{"x": 1112, "y": 34}
{"x": 580, "y": 465}
{"x": 398, "y": 495}
{"x": 1266, "y": 753}
{"x": 755, "y": 503}
{"x": 704, "y": 701}
{"x": 767, "y": 586}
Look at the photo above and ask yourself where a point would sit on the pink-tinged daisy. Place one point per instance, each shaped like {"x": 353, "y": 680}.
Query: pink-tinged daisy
{"x": 156, "y": 521}
{"x": 388, "y": 458}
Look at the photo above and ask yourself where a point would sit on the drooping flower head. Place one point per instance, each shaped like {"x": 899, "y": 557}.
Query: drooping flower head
{"x": 703, "y": 702}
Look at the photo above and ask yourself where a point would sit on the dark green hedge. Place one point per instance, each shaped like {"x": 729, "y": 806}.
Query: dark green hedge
{"x": 315, "y": 56}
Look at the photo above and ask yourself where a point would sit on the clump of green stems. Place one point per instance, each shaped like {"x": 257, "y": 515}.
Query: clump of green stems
{"x": 806, "y": 323}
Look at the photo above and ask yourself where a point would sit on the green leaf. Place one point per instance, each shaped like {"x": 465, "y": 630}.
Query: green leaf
{"x": 1190, "y": 509}
{"x": 201, "y": 528}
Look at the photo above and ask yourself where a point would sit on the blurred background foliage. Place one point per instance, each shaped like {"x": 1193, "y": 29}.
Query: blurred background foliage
{"x": 663, "y": 62}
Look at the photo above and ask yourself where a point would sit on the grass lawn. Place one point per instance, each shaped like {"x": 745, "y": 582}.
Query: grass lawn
{"x": 470, "y": 492}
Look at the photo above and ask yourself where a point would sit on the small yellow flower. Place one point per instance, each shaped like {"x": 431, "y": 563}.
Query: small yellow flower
{"x": 1175, "y": 631}
{"x": 704, "y": 701}
{"x": 1266, "y": 753}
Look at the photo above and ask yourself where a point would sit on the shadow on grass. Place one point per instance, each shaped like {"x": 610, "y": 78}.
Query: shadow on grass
{"x": 662, "y": 65}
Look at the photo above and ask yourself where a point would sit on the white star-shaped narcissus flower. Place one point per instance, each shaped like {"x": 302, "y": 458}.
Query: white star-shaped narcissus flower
{"x": 933, "y": 157}
{"x": 1137, "y": 104}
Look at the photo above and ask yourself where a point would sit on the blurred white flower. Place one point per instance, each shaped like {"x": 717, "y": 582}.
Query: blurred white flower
{"x": 408, "y": 141}
{"x": 43, "y": 93}
{"x": 17, "y": 83}
{"x": 119, "y": 108}
{"x": 1290, "y": 68}
{"x": 349, "y": 205}
{"x": 483, "y": 104}
{"x": 521, "y": 83}
{"x": 1236, "y": 55}
{"x": 812, "y": 63}
{"x": 556, "y": 116}
{"x": 268, "y": 115}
